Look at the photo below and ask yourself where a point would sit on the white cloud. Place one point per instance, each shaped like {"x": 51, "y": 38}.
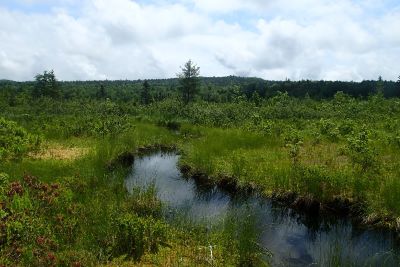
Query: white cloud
{"x": 123, "y": 39}
{"x": 226, "y": 6}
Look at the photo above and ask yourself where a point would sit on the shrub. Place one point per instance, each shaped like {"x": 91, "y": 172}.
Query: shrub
{"x": 294, "y": 141}
{"x": 33, "y": 221}
{"x": 329, "y": 129}
{"x": 346, "y": 127}
{"x": 15, "y": 140}
{"x": 3, "y": 184}
{"x": 361, "y": 152}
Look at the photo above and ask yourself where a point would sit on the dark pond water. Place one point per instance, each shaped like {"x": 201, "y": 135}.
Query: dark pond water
{"x": 294, "y": 239}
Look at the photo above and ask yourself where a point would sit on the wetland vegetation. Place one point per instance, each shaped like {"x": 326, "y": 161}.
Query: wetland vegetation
{"x": 316, "y": 149}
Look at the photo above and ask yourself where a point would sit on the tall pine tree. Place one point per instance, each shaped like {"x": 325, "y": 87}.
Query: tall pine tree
{"x": 145, "y": 94}
{"x": 189, "y": 81}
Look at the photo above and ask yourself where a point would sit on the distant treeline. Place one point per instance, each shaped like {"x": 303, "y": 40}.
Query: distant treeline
{"x": 212, "y": 89}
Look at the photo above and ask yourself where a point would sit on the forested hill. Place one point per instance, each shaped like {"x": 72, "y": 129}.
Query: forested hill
{"x": 215, "y": 89}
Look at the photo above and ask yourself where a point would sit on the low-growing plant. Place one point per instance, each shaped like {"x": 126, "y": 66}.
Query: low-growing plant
{"x": 329, "y": 129}
{"x": 15, "y": 141}
{"x": 37, "y": 217}
{"x": 241, "y": 238}
{"x": 293, "y": 142}
{"x": 135, "y": 236}
{"x": 346, "y": 127}
{"x": 172, "y": 125}
{"x": 361, "y": 152}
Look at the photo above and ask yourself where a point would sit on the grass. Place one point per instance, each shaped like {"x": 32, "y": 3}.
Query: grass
{"x": 75, "y": 211}
{"x": 323, "y": 170}
{"x": 318, "y": 152}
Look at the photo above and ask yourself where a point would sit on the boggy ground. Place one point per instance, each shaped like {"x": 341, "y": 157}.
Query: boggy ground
{"x": 65, "y": 204}
{"x": 63, "y": 200}
{"x": 310, "y": 176}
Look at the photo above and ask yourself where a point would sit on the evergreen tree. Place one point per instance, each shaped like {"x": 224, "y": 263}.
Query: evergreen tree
{"x": 189, "y": 81}
{"x": 379, "y": 86}
{"x": 398, "y": 87}
{"x": 145, "y": 94}
{"x": 101, "y": 93}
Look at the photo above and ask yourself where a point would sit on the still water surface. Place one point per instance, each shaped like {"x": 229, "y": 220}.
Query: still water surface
{"x": 294, "y": 239}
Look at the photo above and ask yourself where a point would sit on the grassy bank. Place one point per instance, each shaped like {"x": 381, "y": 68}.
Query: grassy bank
{"x": 354, "y": 172}
{"x": 65, "y": 204}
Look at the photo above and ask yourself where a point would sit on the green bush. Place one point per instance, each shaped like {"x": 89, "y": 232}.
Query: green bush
{"x": 3, "y": 184}
{"x": 34, "y": 221}
{"x": 15, "y": 141}
{"x": 361, "y": 152}
{"x": 329, "y": 129}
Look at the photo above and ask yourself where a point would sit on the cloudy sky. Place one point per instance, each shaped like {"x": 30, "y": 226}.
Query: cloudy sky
{"x": 138, "y": 39}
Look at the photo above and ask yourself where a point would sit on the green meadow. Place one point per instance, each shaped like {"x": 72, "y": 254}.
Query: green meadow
{"x": 63, "y": 163}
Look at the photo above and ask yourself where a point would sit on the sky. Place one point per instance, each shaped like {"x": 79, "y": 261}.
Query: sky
{"x": 350, "y": 40}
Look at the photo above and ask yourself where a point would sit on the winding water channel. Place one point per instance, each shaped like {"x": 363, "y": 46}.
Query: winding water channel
{"x": 294, "y": 239}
